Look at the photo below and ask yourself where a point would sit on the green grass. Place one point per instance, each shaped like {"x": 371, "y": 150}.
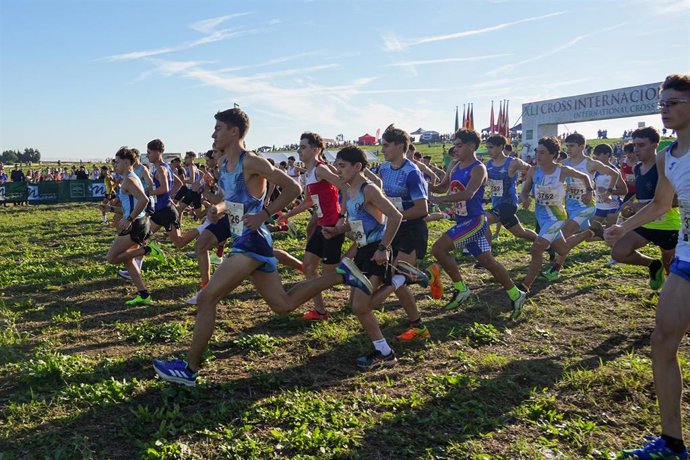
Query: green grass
{"x": 571, "y": 379}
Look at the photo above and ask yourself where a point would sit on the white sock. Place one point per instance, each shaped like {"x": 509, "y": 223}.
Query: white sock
{"x": 382, "y": 346}
{"x": 397, "y": 281}
{"x": 138, "y": 261}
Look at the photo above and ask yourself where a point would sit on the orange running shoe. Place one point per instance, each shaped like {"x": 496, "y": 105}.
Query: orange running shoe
{"x": 313, "y": 315}
{"x": 435, "y": 281}
{"x": 414, "y": 333}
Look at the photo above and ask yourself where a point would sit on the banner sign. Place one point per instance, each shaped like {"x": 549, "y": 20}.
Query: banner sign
{"x": 53, "y": 192}
{"x": 617, "y": 103}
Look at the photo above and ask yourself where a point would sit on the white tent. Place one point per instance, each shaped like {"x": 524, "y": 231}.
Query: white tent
{"x": 278, "y": 156}
{"x": 371, "y": 156}
{"x": 330, "y": 156}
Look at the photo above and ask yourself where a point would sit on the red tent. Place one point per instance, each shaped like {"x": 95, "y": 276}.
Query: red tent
{"x": 367, "y": 139}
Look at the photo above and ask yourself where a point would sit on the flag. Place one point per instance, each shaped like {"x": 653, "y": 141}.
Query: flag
{"x": 378, "y": 134}
{"x": 471, "y": 126}
{"x": 492, "y": 125}
{"x": 507, "y": 134}
{"x": 457, "y": 123}
{"x": 467, "y": 119}
{"x": 464, "y": 117}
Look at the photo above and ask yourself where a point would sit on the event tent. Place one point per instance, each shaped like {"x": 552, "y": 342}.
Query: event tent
{"x": 367, "y": 139}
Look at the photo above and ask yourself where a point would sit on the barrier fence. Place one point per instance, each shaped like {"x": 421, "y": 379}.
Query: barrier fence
{"x": 52, "y": 192}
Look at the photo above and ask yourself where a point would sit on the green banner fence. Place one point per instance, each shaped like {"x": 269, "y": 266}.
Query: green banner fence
{"x": 52, "y": 192}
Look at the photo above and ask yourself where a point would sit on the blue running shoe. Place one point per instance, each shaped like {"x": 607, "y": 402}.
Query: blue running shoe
{"x": 353, "y": 276}
{"x": 175, "y": 371}
{"x": 654, "y": 449}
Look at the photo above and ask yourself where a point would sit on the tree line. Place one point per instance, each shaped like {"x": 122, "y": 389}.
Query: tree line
{"x": 17, "y": 156}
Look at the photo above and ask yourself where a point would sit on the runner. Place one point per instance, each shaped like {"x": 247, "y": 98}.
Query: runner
{"x": 244, "y": 178}
{"x": 502, "y": 175}
{"x": 545, "y": 181}
{"x": 609, "y": 194}
{"x": 465, "y": 185}
{"x": 405, "y": 187}
{"x": 662, "y": 232}
{"x": 133, "y": 227}
{"x": 629, "y": 162}
{"x": 322, "y": 196}
{"x": 579, "y": 212}
{"x": 673, "y": 310}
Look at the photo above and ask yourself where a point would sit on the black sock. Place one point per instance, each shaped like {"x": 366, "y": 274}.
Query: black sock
{"x": 416, "y": 323}
{"x": 188, "y": 369}
{"x": 654, "y": 267}
{"x": 147, "y": 250}
{"x": 674, "y": 444}
{"x": 144, "y": 294}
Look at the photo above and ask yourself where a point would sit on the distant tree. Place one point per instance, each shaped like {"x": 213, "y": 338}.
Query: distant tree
{"x": 30, "y": 154}
{"x": 9, "y": 156}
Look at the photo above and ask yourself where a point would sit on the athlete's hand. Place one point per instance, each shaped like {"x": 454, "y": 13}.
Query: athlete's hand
{"x": 526, "y": 201}
{"x": 123, "y": 225}
{"x": 613, "y": 234}
{"x": 329, "y": 232}
{"x": 213, "y": 214}
{"x": 254, "y": 221}
{"x": 380, "y": 257}
{"x": 587, "y": 197}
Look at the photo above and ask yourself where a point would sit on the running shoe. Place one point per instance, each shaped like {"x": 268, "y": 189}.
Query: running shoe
{"x": 192, "y": 299}
{"x": 656, "y": 275}
{"x": 215, "y": 260}
{"x": 435, "y": 281}
{"x": 550, "y": 274}
{"x": 458, "y": 298}
{"x": 156, "y": 252}
{"x": 654, "y": 449}
{"x": 191, "y": 254}
{"x": 124, "y": 274}
{"x": 292, "y": 229}
{"x": 517, "y": 305}
{"x": 375, "y": 360}
{"x": 175, "y": 371}
{"x": 414, "y": 333}
{"x": 611, "y": 262}
{"x": 315, "y": 315}
{"x": 139, "y": 300}
{"x": 552, "y": 254}
{"x": 352, "y": 276}
{"x": 412, "y": 274}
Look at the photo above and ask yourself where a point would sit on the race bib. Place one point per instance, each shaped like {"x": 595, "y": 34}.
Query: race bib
{"x": 630, "y": 178}
{"x": 576, "y": 189}
{"x": 397, "y": 202}
{"x": 496, "y": 187}
{"x": 317, "y": 205}
{"x": 684, "y": 207}
{"x": 547, "y": 195}
{"x": 357, "y": 229}
{"x": 235, "y": 212}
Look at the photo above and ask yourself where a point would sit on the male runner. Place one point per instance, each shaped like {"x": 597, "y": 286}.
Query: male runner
{"x": 673, "y": 310}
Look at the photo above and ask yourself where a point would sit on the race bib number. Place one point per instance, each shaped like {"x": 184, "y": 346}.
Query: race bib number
{"x": 357, "y": 228}
{"x": 496, "y": 187}
{"x": 576, "y": 189}
{"x": 397, "y": 202}
{"x": 630, "y": 178}
{"x": 684, "y": 207}
{"x": 317, "y": 205}
{"x": 235, "y": 212}
{"x": 547, "y": 196}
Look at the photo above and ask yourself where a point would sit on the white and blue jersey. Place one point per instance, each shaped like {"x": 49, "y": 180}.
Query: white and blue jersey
{"x": 548, "y": 191}
{"x": 404, "y": 185}
{"x": 366, "y": 229}
{"x": 128, "y": 201}
{"x": 501, "y": 185}
{"x": 256, "y": 244}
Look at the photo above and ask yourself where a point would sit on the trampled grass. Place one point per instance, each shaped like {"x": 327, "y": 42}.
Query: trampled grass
{"x": 570, "y": 379}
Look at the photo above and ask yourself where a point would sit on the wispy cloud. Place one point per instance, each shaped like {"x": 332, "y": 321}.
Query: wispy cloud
{"x": 446, "y": 60}
{"x": 557, "y": 50}
{"x": 666, "y": 7}
{"x": 206, "y": 27}
{"x": 391, "y": 42}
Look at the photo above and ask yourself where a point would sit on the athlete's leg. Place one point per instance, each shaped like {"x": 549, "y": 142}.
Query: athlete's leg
{"x": 361, "y": 307}
{"x": 206, "y": 241}
{"x": 672, "y": 323}
{"x": 442, "y": 250}
{"x": 625, "y": 250}
{"x": 521, "y": 232}
{"x": 666, "y": 258}
{"x": 228, "y": 276}
{"x": 311, "y": 268}
{"x": 497, "y": 269}
{"x": 537, "y": 258}
{"x": 123, "y": 249}
{"x": 288, "y": 260}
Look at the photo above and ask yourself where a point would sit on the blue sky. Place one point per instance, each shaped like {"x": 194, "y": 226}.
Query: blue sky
{"x": 78, "y": 79}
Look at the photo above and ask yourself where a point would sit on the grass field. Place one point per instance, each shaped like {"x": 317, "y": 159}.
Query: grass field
{"x": 571, "y": 379}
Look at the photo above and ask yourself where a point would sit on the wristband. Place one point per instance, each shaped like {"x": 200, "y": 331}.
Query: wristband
{"x": 268, "y": 213}
{"x": 381, "y": 247}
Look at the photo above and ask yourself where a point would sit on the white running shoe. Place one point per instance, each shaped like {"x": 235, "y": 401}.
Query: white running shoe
{"x": 124, "y": 274}
{"x": 192, "y": 300}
